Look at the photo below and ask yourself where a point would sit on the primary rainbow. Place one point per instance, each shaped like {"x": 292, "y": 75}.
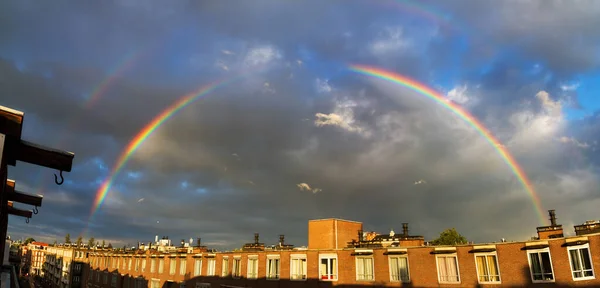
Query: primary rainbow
{"x": 145, "y": 132}
{"x": 466, "y": 116}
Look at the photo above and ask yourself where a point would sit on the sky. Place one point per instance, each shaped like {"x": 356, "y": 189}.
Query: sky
{"x": 292, "y": 133}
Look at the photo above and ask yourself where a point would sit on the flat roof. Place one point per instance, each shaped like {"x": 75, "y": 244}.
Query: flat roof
{"x": 13, "y": 111}
{"x": 338, "y": 219}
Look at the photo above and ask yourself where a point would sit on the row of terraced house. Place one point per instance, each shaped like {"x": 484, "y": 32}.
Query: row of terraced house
{"x": 340, "y": 254}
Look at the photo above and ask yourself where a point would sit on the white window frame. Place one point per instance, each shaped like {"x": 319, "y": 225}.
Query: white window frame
{"x": 357, "y": 258}
{"x": 278, "y": 274}
{"x": 197, "y": 266}
{"x": 153, "y": 265}
{"x": 113, "y": 280}
{"x": 437, "y": 267}
{"x": 235, "y": 268}
{"x": 578, "y": 247}
{"x": 225, "y": 266}
{"x": 537, "y": 251}
{"x": 329, "y": 257}
{"x": 143, "y": 265}
{"x": 486, "y": 254}
{"x": 304, "y": 264}
{"x": 249, "y": 274}
{"x": 399, "y": 276}
{"x": 211, "y": 268}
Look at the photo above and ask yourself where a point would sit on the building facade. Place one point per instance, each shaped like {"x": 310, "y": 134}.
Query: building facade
{"x": 339, "y": 254}
{"x": 64, "y": 266}
{"x": 33, "y": 258}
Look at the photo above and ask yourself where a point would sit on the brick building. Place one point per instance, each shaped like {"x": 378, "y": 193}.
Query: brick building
{"x": 338, "y": 256}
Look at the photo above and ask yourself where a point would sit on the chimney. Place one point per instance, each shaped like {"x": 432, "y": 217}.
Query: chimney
{"x": 360, "y": 235}
{"x": 405, "y": 229}
{"x": 281, "y": 238}
{"x": 552, "y": 217}
{"x": 199, "y": 241}
{"x": 182, "y": 243}
{"x": 150, "y": 245}
{"x": 256, "y": 238}
{"x": 156, "y": 239}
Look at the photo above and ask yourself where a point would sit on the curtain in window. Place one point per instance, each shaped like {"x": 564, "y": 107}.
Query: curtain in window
{"x": 211, "y": 267}
{"x": 197, "y": 265}
{"x": 399, "y": 267}
{"x": 298, "y": 268}
{"x": 364, "y": 268}
{"x": 172, "y": 265}
{"x": 580, "y": 263}
{"x": 161, "y": 266}
{"x": 447, "y": 269}
{"x": 236, "y": 268}
{"x": 152, "y": 265}
{"x": 273, "y": 268}
{"x": 225, "y": 267}
{"x": 182, "y": 266}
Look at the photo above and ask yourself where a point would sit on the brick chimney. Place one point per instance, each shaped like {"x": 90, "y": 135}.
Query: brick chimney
{"x": 198, "y": 241}
{"x": 256, "y": 238}
{"x": 553, "y": 231}
{"x": 281, "y": 239}
{"x": 405, "y": 229}
{"x": 360, "y": 235}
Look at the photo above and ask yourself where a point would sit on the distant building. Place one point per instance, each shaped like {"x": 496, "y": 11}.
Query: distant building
{"x": 33, "y": 258}
{"x": 340, "y": 253}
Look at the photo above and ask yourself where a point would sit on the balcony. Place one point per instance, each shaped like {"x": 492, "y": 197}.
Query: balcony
{"x": 9, "y": 277}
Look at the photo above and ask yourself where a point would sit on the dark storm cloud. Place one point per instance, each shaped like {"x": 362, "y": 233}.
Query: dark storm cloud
{"x": 243, "y": 149}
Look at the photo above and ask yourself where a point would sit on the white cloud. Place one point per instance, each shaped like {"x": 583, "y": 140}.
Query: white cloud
{"x": 306, "y": 187}
{"x": 458, "y": 95}
{"x": 342, "y": 116}
{"x": 573, "y": 141}
{"x": 261, "y": 55}
{"x": 390, "y": 40}
{"x": 323, "y": 86}
{"x": 569, "y": 87}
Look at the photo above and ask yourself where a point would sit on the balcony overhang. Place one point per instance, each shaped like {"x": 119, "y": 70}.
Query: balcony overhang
{"x": 18, "y": 212}
{"x": 18, "y": 196}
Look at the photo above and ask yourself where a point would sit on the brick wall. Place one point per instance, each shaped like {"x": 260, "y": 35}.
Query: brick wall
{"x": 322, "y": 232}
{"x": 512, "y": 262}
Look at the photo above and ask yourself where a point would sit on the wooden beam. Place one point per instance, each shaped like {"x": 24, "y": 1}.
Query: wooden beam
{"x": 18, "y": 196}
{"x": 44, "y": 156}
{"x": 19, "y": 212}
{"x": 11, "y": 122}
{"x": 10, "y": 186}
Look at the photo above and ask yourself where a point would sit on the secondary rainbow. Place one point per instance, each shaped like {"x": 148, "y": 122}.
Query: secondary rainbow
{"x": 466, "y": 116}
{"x": 122, "y": 66}
{"x": 146, "y": 132}
{"x": 418, "y": 8}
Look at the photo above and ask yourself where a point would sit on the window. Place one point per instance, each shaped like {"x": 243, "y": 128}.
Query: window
{"x": 77, "y": 267}
{"x": 98, "y": 276}
{"x": 197, "y": 267}
{"x": 129, "y": 264}
{"x": 137, "y": 264}
{"x": 76, "y": 279}
{"x": 328, "y": 267}
{"x": 237, "y": 267}
{"x": 155, "y": 283}
{"x": 91, "y": 275}
{"x": 152, "y": 265}
{"x": 448, "y": 269}
{"x": 252, "y": 267}
{"x": 540, "y": 265}
{"x": 487, "y": 268}
{"x": 182, "y": 266}
{"x": 143, "y": 265}
{"x": 225, "y": 270}
{"x": 118, "y": 263}
{"x": 273, "y": 267}
{"x": 125, "y": 282}
{"x": 581, "y": 262}
{"x": 113, "y": 281}
{"x": 399, "y": 269}
{"x": 210, "y": 271}
{"x": 364, "y": 269}
{"x": 124, "y": 264}
{"x": 161, "y": 265}
{"x": 105, "y": 278}
{"x": 108, "y": 261}
{"x": 172, "y": 266}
